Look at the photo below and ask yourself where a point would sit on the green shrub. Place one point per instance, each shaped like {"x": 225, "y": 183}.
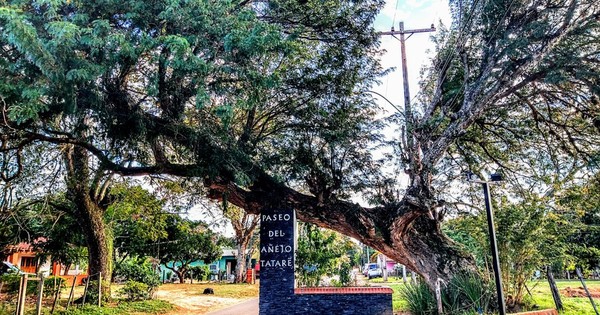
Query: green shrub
{"x": 466, "y": 293}
{"x": 138, "y": 270}
{"x": 52, "y": 285}
{"x": 421, "y": 300}
{"x": 199, "y": 273}
{"x": 10, "y": 283}
{"x": 91, "y": 295}
{"x": 344, "y": 273}
{"x": 135, "y": 291}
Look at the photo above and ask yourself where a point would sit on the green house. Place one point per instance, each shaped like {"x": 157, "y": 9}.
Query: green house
{"x": 221, "y": 269}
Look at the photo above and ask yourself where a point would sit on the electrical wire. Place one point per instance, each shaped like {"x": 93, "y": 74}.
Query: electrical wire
{"x": 395, "y": 11}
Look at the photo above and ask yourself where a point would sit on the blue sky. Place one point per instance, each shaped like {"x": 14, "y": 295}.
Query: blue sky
{"x": 416, "y": 15}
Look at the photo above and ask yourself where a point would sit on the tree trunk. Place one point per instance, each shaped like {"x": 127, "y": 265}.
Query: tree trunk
{"x": 89, "y": 214}
{"x": 99, "y": 242}
{"x": 240, "y": 268}
{"x": 181, "y": 274}
{"x": 408, "y": 232}
{"x": 244, "y": 225}
{"x": 67, "y": 267}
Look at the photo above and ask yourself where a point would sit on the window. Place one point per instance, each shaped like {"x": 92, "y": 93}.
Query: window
{"x": 28, "y": 262}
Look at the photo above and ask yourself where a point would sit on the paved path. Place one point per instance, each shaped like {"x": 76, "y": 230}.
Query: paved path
{"x": 249, "y": 307}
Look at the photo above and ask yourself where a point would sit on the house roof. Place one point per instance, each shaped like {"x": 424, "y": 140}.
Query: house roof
{"x": 23, "y": 246}
{"x": 231, "y": 252}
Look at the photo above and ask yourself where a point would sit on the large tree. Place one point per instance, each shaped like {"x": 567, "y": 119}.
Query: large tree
{"x": 268, "y": 103}
{"x": 186, "y": 242}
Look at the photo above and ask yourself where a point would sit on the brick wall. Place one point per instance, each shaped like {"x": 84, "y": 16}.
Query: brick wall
{"x": 368, "y": 300}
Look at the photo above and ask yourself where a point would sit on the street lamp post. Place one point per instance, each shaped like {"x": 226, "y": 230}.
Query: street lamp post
{"x": 492, "y": 233}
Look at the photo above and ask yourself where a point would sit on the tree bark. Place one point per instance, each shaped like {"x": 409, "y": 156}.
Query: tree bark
{"x": 408, "y": 232}
{"x": 240, "y": 267}
{"x": 181, "y": 275}
{"x": 244, "y": 225}
{"x": 89, "y": 216}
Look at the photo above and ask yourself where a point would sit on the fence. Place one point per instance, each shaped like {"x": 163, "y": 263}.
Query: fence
{"x": 42, "y": 284}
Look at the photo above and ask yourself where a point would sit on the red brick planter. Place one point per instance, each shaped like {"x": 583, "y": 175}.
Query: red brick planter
{"x": 350, "y": 290}
{"x": 540, "y": 312}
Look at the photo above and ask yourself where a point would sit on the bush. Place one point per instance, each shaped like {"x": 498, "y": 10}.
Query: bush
{"x": 52, "y": 285}
{"x": 138, "y": 270}
{"x": 136, "y": 291}
{"x": 345, "y": 274}
{"x": 10, "y": 283}
{"x": 466, "y": 293}
{"x": 199, "y": 273}
{"x": 421, "y": 300}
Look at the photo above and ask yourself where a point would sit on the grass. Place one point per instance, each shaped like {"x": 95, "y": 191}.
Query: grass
{"x": 119, "y": 307}
{"x": 123, "y": 308}
{"x": 572, "y": 305}
{"x": 226, "y": 290}
{"x": 115, "y": 308}
{"x": 542, "y": 296}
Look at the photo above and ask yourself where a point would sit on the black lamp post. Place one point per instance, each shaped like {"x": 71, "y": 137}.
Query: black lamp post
{"x": 492, "y": 233}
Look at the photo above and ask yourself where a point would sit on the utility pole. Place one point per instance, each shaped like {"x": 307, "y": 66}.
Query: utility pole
{"x": 408, "y": 113}
{"x": 401, "y": 32}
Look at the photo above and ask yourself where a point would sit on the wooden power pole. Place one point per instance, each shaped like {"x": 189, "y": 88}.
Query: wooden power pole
{"x": 408, "y": 112}
{"x": 403, "y": 39}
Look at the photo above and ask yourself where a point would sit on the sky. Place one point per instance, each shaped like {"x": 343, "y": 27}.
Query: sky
{"x": 415, "y": 14}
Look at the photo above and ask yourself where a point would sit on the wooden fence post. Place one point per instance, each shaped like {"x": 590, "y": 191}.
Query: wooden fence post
{"x": 22, "y": 295}
{"x": 71, "y": 294}
{"x": 99, "y": 289}
{"x": 85, "y": 291}
{"x": 586, "y": 289}
{"x": 554, "y": 289}
{"x": 57, "y": 294}
{"x": 19, "y": 296}
{"x": 38, "y": 306}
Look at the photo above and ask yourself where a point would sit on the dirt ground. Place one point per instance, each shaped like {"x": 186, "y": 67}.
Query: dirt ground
{"x": 580, "y": 292}
{"x": 189, "y": 299}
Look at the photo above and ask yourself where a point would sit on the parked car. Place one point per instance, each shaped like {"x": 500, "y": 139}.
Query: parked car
{"x": 365, "y": 269}
{"x": 376, "y": 272}
{"x": 372, "y": 270}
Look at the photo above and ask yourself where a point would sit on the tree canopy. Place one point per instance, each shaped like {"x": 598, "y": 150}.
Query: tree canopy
{"x": 268, "y": 103}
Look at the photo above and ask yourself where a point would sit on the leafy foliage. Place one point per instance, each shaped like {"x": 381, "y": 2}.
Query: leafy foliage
{"x": 580, "y": 210}
{"x": 53, "y": 284}
{"x": 187, "y": 241}
{"x": 138, "y": 270}
{"x": 136, "y": 291}
{"x": 528, "y": 238}
{"x": 199, "y": 273}
{"x": 321, "y": 252}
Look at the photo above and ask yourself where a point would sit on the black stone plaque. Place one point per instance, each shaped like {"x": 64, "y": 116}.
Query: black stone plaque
{"x": 276, "y": 260}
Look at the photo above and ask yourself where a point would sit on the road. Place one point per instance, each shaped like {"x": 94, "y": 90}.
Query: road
{"x": 249, "y": 307}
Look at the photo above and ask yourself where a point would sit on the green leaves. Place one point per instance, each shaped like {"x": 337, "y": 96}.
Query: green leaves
{"x": 320, "y": 252}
